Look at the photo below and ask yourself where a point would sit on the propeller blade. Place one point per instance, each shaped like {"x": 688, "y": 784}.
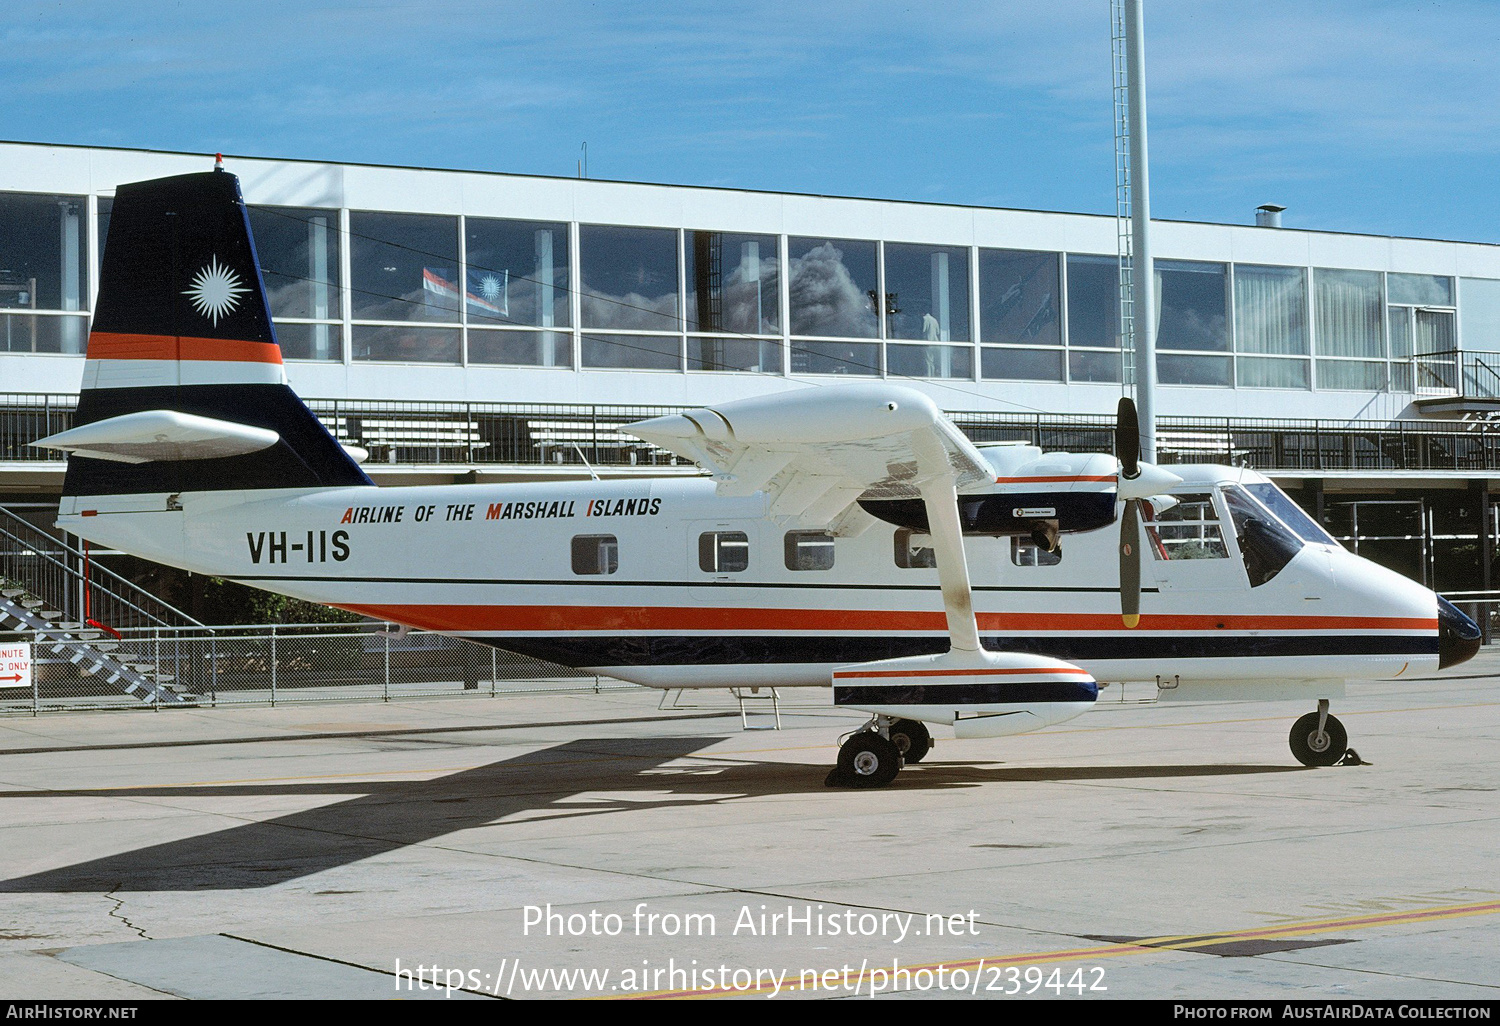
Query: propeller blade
{"x": 1128, "y": 438}
{"x": 1130, "y": 563}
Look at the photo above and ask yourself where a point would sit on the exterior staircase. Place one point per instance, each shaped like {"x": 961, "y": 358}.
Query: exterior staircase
{"x": 47, "y": 599}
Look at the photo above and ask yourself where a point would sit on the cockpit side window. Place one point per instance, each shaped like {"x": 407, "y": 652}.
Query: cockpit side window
{"x": 1187, "y": 529}
{"x": 1291, "y": 514}
{"x": 1266, "y": 543}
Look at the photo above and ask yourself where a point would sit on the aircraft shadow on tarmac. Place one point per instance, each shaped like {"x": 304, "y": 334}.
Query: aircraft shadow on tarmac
{"x": 384, "y": 816}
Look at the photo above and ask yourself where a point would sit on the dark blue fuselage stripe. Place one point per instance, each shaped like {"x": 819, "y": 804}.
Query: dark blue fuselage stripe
{"x": 705, "y": 650}
{"x": 951, "y": 695}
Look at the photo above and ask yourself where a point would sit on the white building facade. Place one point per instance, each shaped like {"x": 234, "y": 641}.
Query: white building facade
{"x": 412, "y": 284}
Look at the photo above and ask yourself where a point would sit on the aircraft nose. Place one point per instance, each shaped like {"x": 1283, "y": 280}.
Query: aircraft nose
{"x": 1458, "y": 636}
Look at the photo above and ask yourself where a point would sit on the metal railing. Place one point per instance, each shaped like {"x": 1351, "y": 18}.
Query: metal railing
{"x": 52, "y": 569}
{"x": 539, "y": 434}
{"x": 1473, "y": 375}
{"x": 273, "y": 665}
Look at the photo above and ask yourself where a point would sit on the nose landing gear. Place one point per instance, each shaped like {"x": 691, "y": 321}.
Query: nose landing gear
{"x": 1319, "y": 739}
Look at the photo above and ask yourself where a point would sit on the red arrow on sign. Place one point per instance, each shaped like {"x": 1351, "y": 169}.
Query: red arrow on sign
{"x": 16, "y": 677}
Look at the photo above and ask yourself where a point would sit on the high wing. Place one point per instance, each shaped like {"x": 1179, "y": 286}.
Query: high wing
{"x": 815, "y": 451}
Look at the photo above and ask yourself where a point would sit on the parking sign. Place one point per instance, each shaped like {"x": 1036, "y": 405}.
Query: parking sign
{"x": 15, "y": 665}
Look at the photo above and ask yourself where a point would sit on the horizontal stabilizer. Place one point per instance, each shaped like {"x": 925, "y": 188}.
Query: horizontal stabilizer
{"x": 160, "y": 435}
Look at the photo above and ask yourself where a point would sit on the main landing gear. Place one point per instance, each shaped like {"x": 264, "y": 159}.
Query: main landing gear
{"x": 1319, "y": 739}
{"x": 875, "y": 753}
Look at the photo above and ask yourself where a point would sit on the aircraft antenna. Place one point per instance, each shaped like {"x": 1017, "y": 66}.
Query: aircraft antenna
{"x": 593, "y": 475}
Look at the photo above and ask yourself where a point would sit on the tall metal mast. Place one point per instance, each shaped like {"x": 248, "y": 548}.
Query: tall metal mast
{"x": 1133, "y": 216}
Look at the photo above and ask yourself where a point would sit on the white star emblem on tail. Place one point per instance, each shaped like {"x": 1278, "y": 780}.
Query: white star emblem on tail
{"x": 215, "y": 291}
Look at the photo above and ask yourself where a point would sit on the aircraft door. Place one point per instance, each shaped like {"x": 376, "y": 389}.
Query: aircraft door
{"x": 1187, "y": 545}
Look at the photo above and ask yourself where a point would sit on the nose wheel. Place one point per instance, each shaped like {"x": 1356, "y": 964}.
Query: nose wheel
{"x": 1319, "y": 739}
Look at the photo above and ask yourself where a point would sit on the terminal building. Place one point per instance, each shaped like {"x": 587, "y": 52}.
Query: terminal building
{"x": 470, "y": 325}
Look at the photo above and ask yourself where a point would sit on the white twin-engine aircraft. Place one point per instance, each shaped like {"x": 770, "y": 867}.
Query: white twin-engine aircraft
{"x": 847, "y": 535}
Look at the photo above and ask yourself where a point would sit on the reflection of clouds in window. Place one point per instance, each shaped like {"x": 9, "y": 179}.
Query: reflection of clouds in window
{"x": 825, "y": 299}
{"x": 404, "y": 267}
{"x": 629, "y": 278}
{"x": 630, "y": 311}
{"x": 299, "y": 260}
{"x": 732, "y": 283}
{"x": 518, "y": 272}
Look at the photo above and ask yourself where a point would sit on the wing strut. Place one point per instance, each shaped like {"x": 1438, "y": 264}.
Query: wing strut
{"x": 940, "y": 495}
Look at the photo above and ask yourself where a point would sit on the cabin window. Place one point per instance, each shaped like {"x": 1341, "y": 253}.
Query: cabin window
{"x": 1025, "y": 552}
{"x": 1187, "y": 529}
{"x": 809, "y": 550}
{"x": 723, "y": 552}
{"x": 910, "y": 556}
{"x": 596, "y": 554}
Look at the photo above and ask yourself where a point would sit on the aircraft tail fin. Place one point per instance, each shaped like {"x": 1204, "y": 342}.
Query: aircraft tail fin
{"x": 183, "y": 386}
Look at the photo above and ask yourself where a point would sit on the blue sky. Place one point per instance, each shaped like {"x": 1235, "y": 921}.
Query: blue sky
{"x": 1358, "y": 116}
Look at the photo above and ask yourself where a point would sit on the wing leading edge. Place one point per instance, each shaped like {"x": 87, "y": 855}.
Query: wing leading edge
{"x": 818, "y": 450}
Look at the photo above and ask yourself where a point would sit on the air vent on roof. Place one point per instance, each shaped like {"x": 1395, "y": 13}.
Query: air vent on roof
{"x": 1268, "y": 215}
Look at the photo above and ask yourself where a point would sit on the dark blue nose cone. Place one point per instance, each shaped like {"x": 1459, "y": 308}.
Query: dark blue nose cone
{"x": 1458, "y": 636}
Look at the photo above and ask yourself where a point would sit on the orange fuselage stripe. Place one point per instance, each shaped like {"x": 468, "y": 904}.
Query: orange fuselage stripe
{"x": 694, "y": 618}
{"x": 106, "y": 345}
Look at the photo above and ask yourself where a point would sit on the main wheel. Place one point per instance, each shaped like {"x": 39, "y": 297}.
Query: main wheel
{"x": 912, "y": 739}
{"x": 1310, "y": 748}
{"x": 868, "y": 760}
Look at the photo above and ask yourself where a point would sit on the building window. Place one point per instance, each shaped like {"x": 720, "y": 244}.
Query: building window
{"x": 1422, "y": 321}
{"x": 635, "y": 352}
{"x": 1270, "y": 327}
{"x": 833, "y": 284}
{"x": 733, "y": 284}
{"x": 298, "y": 250}
{"x": 1025, "y": 552}
{"x": 928, "y": 292}
{"x": 852, "y": 358}
{"x": 1019, "y": 306}
{"x": 404, "y": 268}
{"x": 809, "y": 550}
{"x": 929, "y": 361}
{"x": 723, "y": 552}
{"x": 711, "y": 353}
{"x": 1022, "y": 364}
{"x": 522, "y": 348}
{"x": 1479, "y": 314}
{"x": 516, "y": 275}
{"x": 733, "y": 290}
{"x": 595, "y": 554}
{"x": 629, "y": 278}
{"x": 910, "y": 556}
{"x": 1093, "y": 318}
{"x": 517, "y": 272}
{"x": 405, "y": 343}
{"x": 43, "y": 267}
{"x": 1194, "y": 318}
{"x": 1349, "y": 340}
